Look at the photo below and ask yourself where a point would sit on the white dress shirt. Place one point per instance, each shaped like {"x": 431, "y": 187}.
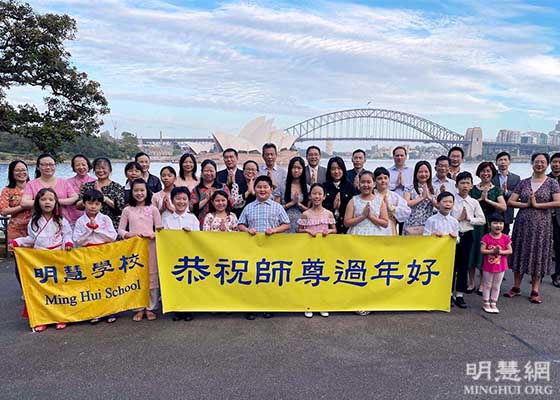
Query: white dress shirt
{"x": 448, "y": 183}
{"x": 444, "y": 224}
{"x": 475, "y": 215}
{"x": 180, "y": 221}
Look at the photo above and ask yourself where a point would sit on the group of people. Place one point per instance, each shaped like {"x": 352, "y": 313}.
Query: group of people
{"x": 49, "y": 212}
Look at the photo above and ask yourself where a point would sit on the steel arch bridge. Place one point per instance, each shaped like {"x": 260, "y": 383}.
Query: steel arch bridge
{"x": 374, "y": 124}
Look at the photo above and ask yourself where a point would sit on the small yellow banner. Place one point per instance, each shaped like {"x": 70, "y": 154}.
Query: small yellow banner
{"x": 82, "y": 284}
{"x": 220, "y": 271}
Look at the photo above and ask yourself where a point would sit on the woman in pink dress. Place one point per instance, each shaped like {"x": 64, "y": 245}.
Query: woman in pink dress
{"x": 45, "y": 178}
{"x": 81, "y": 166}
{"x": 139, "y": 219}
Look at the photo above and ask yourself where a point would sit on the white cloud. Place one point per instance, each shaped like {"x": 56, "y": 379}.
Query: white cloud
{"x": 298, "y": 62}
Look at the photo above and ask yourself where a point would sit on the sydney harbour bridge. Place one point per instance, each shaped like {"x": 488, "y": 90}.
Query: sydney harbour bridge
{"x": 373, "y": 124}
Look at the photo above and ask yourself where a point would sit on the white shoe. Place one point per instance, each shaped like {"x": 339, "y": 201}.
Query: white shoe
{"x": 495, "y": 309}
{"x": 324, "y": 314}
{"x": 486, "y": 307}
{"x": 308, "y": 314}
{"x": 363, "y": 313}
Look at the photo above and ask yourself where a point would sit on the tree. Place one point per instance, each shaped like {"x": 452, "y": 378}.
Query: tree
{"x": 32, "y": 53}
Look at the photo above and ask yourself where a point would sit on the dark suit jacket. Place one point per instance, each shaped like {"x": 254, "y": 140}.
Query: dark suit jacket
{"x": 239, "y": 179}
{"x": 321, "y": 174}
{"x": 512, "y": 181}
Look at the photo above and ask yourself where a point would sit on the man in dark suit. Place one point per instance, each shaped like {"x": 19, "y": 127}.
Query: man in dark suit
{"x": 314, "y": 173}
{"x": 231, "y": 174}
{"x": 507, "y": 181}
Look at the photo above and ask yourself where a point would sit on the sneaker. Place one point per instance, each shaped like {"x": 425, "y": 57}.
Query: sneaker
{"x": 324, "y": 314}
{"x": 495, "y": 309}
{"x": 460, "y": 302}
{"x": 363, "y": 313}
{"x": 308, "y": 314}
{"x": 486, "y": 307}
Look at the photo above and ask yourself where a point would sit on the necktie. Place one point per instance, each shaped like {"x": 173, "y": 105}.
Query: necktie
{"x": 313, "y": 176}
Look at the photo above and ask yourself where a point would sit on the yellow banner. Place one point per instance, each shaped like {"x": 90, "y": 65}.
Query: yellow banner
{"x": 82, "y": 284}
{"x": 219, "y": 271}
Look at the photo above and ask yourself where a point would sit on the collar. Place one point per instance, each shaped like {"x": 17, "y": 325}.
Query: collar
{"x": 177, "y": 216}
{"x": 394, "y": 168}
{"x": 267, "y": 201}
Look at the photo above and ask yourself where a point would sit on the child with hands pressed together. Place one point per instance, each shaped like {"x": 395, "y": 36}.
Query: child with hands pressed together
{"x": 47, "y": 230}
{"x": 162, "y": 199}
{"x": 140, "y": 218}
{"x": 495, "y": 246}
{"x": 443, "y": 223}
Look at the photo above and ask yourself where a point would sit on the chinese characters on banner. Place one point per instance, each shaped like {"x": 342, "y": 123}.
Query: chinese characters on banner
{"x": 81, "y": 284}
{"x": 218, "y": 271}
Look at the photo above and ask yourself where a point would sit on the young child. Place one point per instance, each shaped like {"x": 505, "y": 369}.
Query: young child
{"x": 161, "y": 199}
{"x": 366, "y": 214}
{"x": 181, "y": 218}
{"x": 469, "y": 214}
{"x": 263, "y": 215}
{"x": 495, "y": 246}
{"x": 219, "y": 217}
{"x": 317, "y": 220}
{"x": 443, "y": 223}
{"x": 132, "y": 171}
{"x": 140, "y": 218}
{"x": 94, "y": 228}
{"x": 47, "y": 230}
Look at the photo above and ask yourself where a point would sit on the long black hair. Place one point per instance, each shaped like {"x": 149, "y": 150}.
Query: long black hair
{"x": 415, "y": 179}
{"x": 132, "y": 201}
{"x": 302, "y": 181}
{"x": 11, "y": 178}
{"x": 38, "y": 213}
{"x": 182, "y": 170}
{"x": 340, "y": 162}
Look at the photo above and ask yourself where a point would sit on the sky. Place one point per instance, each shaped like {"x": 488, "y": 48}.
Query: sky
{"x": 190, "y": 68}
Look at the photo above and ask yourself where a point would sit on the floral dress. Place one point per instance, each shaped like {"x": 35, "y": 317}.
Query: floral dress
{"x": 532, "y": 230}
{"x": 214, "y": 223}
{"x": 115, "y": 192}
{"x": 366, "y": 227}
{"x": 294, "y": 212}
{"x": 317, "y": 223}
{"x": 17, "y": 226}
{"x": 419, "y": 213}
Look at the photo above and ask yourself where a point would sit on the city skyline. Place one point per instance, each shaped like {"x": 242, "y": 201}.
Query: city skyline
{"x": 193, "y": 68}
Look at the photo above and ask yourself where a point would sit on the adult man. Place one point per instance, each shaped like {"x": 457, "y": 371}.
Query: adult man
{"x": 441, "y": 182}
{"x": 507, "y": 181}
{"x": 358, "y": 160}
{"x": 231, "y": 174}
{"x": 276, "y": 173}
{"x": 400, "y": 174}
{"x": 456, "y": 156}
{"x": 314, "y": 173}
{"x": 555, "y": 174}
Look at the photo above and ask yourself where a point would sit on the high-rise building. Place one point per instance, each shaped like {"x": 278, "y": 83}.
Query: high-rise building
{"x": 508, "y": 136}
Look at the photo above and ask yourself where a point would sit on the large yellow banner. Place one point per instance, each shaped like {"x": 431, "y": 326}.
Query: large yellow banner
{"x": 219, "y": 271}
{"x": 85, "y": 283}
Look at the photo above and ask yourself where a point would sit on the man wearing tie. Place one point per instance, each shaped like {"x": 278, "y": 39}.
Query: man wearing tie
{"x": 314, "y": 173}
{"x": 231, "y": 174}
{"x": 507, "y": 181}
{"x": 400, "y": 174}
{"x": 441, "y": 182}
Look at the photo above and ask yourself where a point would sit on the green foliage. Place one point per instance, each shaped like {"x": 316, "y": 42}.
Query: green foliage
{"x": 32, "y": 53}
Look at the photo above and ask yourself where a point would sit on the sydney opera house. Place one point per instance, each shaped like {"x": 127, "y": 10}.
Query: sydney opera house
{"x": 252, "y": 137}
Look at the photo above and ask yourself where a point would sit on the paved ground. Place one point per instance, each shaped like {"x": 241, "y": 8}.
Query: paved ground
{"x": 391, "y": 355}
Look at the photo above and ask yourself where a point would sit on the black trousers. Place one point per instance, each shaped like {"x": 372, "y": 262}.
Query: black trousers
{"x": 462, "y": 252}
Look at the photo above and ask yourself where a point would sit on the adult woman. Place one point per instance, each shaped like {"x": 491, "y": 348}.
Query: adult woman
{"x": 113, "y": 192}
{"x": 491, "y": 199}
{"x": 294, "y": 195}
{"x": 397, "y": 208}
{"x": 420, "y": 198}
{"x": 45, "y": 177}
{"x": 338, "y": 191}
{"x": 532, "y": 231}
{"x": 187, "y": 172}
{"x": 200, "y": 196}
{"x": 153, "y": 181}
{"x": 10, "y": 202}
{"x": 240, "y": 200}
{"x": 81, "y": 166}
